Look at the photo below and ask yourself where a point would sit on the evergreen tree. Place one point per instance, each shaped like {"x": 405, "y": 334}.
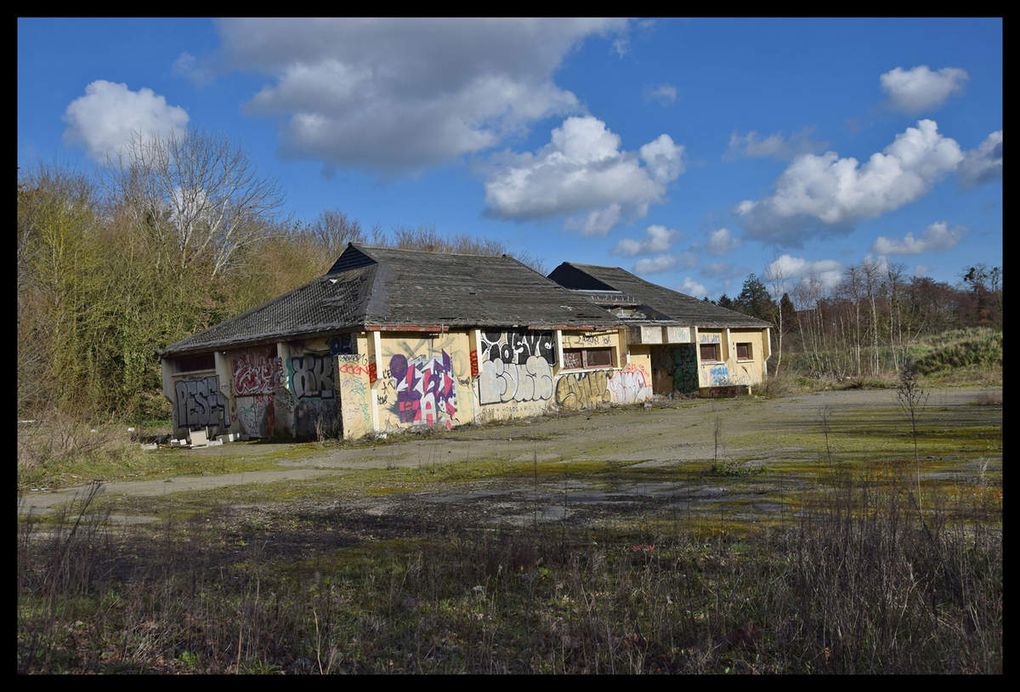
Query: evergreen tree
{"x": 754, "y": 300}
{"x": 788, "y": 312}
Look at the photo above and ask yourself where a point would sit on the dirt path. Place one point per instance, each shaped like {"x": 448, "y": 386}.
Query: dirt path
{"x": 660, "y": 435}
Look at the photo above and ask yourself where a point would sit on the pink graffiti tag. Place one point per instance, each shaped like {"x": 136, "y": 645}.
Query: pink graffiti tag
{"x": 254, "y": 373}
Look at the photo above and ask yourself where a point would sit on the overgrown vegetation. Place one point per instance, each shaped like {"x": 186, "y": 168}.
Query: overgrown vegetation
{"x": 851, "y": 584}
{"x": 183, "y": 234}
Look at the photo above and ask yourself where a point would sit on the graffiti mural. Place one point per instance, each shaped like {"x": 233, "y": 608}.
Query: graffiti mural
{"x": 583, "y": 390}
{"x": 630, "y": 385}
{"x": 354, "y": 382}
{"x": 516, "y": 347}
{"x": 312, "y": 376}
{"x": 313, "y": 392}
{"x": 426, "y": 389}
{"x": 719, "y": 374}
{"x": 256, "y": 416}
{"x": 199, "y": 403}
{"x": 516, "y": 366}
{"x": 255, "y": 373}
{"x": 685, "y": 369}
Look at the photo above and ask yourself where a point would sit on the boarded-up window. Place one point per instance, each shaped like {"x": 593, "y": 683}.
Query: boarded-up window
{"x": 201, "y": 361}
{"x": 573, "y": 358}
{"x": 710, "y": 352}
{"x": 588, "y": 358}
{"x": 744, "y": 351}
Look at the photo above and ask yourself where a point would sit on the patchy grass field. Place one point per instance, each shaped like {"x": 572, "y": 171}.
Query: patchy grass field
{"x": 723, "y": 536}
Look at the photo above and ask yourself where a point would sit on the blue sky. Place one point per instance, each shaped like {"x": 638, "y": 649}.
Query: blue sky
{"x": 691, "y": 151}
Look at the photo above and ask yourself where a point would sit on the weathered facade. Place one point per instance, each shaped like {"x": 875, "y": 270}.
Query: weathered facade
{"x": 688, "y": 345}
{"x": 391, "y": 339}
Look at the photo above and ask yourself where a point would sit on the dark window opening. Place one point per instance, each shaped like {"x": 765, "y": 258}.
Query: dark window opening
{"x": 201, "y": 361}
{"x": 579, "y": 358}
{"x": 744, "y": 351}
{"x": 710, "y": 352}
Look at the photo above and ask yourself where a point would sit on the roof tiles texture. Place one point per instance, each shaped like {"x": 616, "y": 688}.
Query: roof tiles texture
{"x": 672, "y": 304}
{"x": 412, "y": 289}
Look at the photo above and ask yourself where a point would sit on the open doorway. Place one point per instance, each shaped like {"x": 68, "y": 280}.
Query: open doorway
{"x": 674, "y": 369}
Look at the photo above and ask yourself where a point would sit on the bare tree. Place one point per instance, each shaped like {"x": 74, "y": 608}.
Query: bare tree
{"x": 198, "y": 194}
{"x": 332, "y": 230}
{"x": 870, "y": 269}
{"x": 894, "y": 277}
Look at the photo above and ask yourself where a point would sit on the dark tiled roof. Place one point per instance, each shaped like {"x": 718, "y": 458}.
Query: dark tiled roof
{"x": 328, "y": 303}
{"x": 392, "y": 288}
{"x": 586, "y": 278}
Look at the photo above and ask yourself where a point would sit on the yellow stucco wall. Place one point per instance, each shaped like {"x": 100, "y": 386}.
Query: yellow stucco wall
{"x": 730, "y": 370}
{"x": 597, "y": 339}
{"x": 753, "y": 371}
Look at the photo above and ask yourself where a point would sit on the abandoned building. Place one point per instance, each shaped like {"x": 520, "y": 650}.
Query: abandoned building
{"x": 390, "y": 339}
{"x": 688, "y": 345}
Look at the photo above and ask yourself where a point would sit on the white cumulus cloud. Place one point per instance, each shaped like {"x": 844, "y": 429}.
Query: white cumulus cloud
{"x": 693, "y": 288}
{"x": 400, "y": 95}
{"x": 920, "y": 88}
{"x": 983, "y": 163}
{"x": 829, "y": 193}
{"x": 109, "y": 115}
{"x": 655, "y": 265}
{"x": 938, "y": 236}
{"x": 583, "y": 171}
{"x": 658, "y": 239}
{"x": 720, "y": 241}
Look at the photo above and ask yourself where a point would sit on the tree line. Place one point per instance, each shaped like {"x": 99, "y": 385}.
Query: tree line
{"x": 862, "y": 324}
{"x": 177, "y": 235}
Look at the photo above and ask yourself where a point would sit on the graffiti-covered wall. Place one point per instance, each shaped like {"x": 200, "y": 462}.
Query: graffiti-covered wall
{"x": 516, "y": 373}
{"x": 312, "y": 379}
{"x": 631, "y": 385}
{"x": 199, "y": 403}
{"x": 426, "y": 381}
{"x": 256, "y": 385}
{"x": 356, "y": 374}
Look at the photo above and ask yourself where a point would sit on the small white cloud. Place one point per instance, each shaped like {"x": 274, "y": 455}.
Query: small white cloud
{"x": 658, "y": 239}
{"x": 984, "y": 163}
{"x": 921, "y": 270}
{"x": 721, "y": 241}
{"x": 664, "y": 94}
{"x": 583, "y": 172}
{"x": 919, "y": 88}
{"x": 776, "y": 145}
{"x": 828, "y": 194}
{"x": 938, "y": 236}
{"x": 692, "y": 288}
{"x": 109, "y": 115}
{"x": 655, "y": 265}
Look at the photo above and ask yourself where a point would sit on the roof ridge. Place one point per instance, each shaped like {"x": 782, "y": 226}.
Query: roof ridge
{"x": 362, "y": 246}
